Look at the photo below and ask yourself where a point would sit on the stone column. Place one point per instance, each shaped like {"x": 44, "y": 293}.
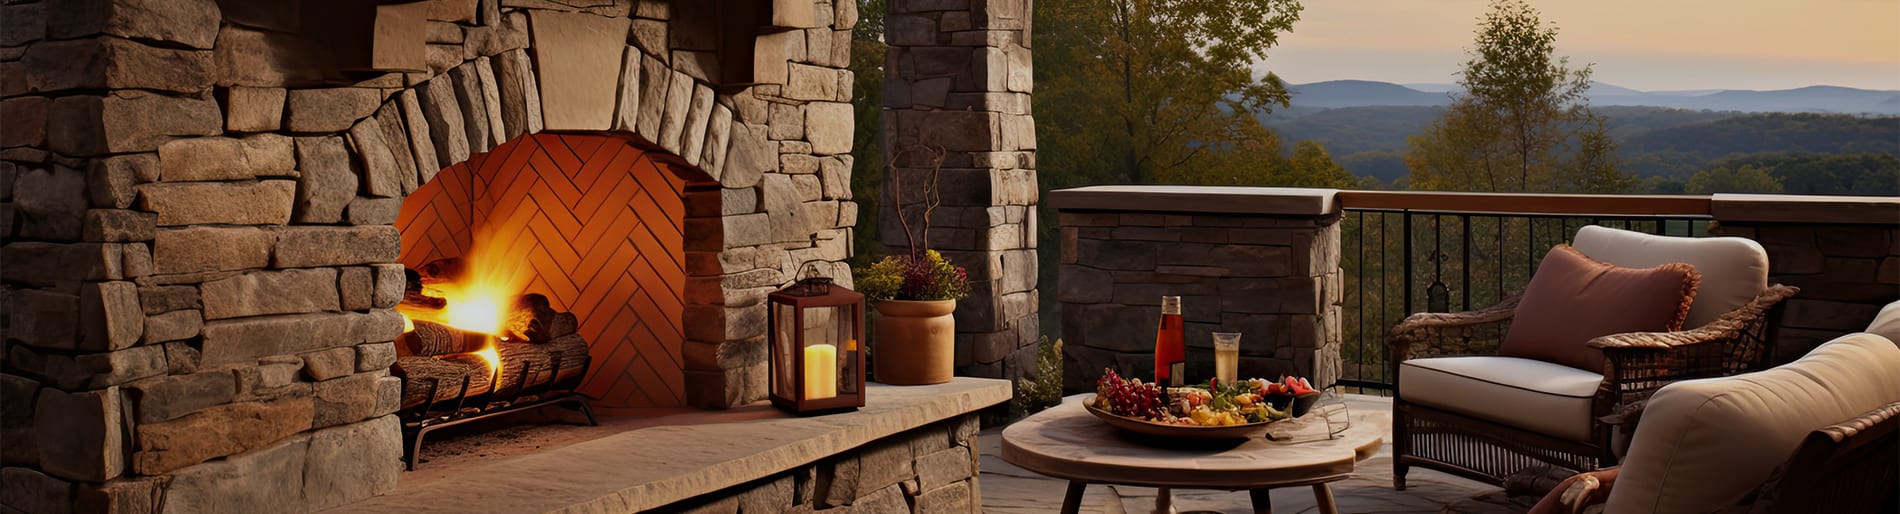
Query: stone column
{"x": 956, "y": 110}
{"x": 1843, "y": 252}
{"x": 1260, "y": 261}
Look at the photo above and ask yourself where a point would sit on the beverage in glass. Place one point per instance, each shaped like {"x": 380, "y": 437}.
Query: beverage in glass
{"x": 1226, "y": 357}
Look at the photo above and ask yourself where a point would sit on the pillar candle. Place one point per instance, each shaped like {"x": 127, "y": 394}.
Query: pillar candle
{"x": 821, "y": 371}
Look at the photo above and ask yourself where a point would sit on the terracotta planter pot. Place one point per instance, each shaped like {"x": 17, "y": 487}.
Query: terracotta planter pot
{"x": 916, "y": 342}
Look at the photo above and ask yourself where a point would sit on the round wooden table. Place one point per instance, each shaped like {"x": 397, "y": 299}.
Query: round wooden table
{"x": 1068, "y": 442}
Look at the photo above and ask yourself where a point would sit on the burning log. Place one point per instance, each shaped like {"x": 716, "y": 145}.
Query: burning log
{"x": 433, "y": 339}
{"x": 571, "y": 350}
{"x": 447, "y": 377}
{"x": 442, "y": 270}
{"x": 412, "y": 292}
{"x": 534, "y": 320}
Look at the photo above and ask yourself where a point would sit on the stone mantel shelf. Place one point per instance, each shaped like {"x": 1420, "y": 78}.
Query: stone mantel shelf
{"x": 1294, "y": 201}
{"x": 652, "y": 467}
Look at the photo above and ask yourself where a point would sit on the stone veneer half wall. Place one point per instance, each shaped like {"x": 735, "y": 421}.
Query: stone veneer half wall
{"x": 1260, "y": 261}
{"x": 197, "y": 206}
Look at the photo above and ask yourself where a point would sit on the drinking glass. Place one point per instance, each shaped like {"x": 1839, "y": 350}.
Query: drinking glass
{"x": 1226, "y": 357}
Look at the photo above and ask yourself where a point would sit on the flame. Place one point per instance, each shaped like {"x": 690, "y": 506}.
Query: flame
{"x": 479, "y": 300}
{"x": 491, "y": 355}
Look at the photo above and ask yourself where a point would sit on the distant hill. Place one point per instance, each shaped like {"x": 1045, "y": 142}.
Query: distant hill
{"x": 1358, "y": 93}
{"x": 1820, "y": 99}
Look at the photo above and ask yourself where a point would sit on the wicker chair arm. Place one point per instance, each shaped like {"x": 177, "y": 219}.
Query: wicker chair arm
{"x": 1726, "y": 327}
{"x": 1427, "y": 320}
{"x": 1436, "y": 333}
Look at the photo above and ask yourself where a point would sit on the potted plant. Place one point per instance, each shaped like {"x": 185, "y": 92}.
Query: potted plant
{"x": 915, "y": 295}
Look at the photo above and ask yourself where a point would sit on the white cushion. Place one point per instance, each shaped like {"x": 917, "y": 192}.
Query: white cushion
{"x": 1551, "y": 399}
{"x": 1887, "y": 323}
{"x": 1734, "y": 270}
{"x": 1705, "y": 444}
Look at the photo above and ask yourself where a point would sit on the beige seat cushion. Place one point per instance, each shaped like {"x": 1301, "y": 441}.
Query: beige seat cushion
{"x": 1887, "y": 323}
{"x": 1704, "y": 444}
{"x": 1551, "y": 399}
{"x": 1734, "y": 270}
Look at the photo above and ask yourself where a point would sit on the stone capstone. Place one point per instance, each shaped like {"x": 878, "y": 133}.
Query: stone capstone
{"x": 579, "y": 63}
{"x": 302, "y": 247}
{"x": 224, "y": 158}
{"x": 263, "y": 202}
{"x": 271, "y": 292}
{"x": 219, "y": 431}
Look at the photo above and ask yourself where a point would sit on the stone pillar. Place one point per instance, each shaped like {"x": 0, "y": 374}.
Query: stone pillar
{"x": 1260, "y": 261}
{"x": 1843, "y": 252}
{"x": 956, "y": 110}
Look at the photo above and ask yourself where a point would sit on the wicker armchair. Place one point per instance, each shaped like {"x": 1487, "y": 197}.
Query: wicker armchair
{"x": 1488, "y": 443}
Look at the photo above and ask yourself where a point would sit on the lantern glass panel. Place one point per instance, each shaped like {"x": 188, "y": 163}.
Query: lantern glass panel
{"x": 836, "y": 326}
{"x": 784, "y": 345}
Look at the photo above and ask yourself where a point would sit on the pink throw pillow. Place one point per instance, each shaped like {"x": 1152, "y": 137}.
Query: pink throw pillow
{"x": 1573, "y": 299}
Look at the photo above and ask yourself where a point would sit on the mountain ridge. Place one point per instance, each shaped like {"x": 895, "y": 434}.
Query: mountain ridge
{"x": 1813, "y": 99}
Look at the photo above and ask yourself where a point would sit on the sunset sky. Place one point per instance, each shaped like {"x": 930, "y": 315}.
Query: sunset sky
{"x": 1642, "y": 44}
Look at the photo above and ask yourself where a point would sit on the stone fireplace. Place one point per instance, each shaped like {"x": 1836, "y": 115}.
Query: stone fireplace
{"x": 209, "y": 206}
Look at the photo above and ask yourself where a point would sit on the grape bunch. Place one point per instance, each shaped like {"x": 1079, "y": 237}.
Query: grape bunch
{"x": 1130, "y": 398}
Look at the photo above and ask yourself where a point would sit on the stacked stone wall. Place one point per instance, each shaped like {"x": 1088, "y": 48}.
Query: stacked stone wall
{"x": 930, "y": 469}
{"x": 199, "y": 262}
{"x": 957, "y": 85}
{"x": 1274, "y": 279}
{"x": 1846, "y": 272}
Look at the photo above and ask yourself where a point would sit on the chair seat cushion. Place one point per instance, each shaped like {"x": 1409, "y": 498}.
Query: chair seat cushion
{"x": 1705, "y": 444}
{"x": 1550, "y": 399}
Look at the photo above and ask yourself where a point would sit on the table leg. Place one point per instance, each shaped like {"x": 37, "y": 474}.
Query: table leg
{"x": 1164, "y": 501}
{"x": 1262, "y": 501}
{"x": 1072, "y": 501}
{"x": 1323, "y": 495}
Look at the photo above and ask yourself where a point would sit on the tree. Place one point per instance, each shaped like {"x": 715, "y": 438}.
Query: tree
{"x": 1523, "y": 122}
{"x": 1311, "y": 166}
{"x": 1141, "y": 90}
{"x": 1741, "y": 179}
{"x": 867, "y": 92}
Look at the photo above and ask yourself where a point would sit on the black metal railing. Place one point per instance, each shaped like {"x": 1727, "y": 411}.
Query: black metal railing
{"x": 1399, "y": 260}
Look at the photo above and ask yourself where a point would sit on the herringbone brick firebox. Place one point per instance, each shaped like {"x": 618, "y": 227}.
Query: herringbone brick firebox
{"x": 592, "y": 223}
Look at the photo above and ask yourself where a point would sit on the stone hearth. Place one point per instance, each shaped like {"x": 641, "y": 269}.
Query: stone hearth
{"x": 200, "y": 256}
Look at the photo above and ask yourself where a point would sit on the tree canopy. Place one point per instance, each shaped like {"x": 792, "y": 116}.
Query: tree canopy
{"x": 1523, "y": 122}
{"x": 1141, "y": 91}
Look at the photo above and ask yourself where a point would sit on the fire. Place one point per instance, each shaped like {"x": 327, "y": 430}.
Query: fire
{"x": 478, "y": 300}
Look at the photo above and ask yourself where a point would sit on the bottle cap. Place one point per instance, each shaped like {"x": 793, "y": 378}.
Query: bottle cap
{"x": 1171, "y": 305}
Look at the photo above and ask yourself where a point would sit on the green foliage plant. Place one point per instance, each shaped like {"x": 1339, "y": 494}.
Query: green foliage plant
{"x": 920, "y": 273}
{"x": 1043, "y": 389}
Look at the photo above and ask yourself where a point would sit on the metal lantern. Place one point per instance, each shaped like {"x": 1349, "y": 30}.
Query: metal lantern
{"x": 817, "y": 344}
